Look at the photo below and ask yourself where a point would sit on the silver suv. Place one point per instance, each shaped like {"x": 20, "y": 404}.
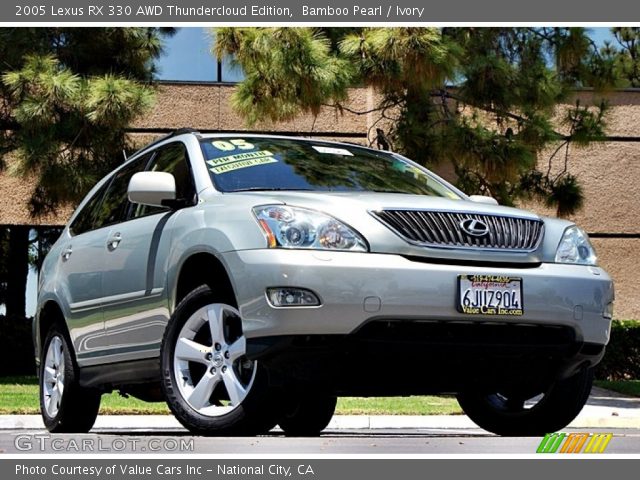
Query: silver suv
{"x": 250, "y": 280}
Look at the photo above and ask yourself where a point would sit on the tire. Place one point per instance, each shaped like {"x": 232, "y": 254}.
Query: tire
{"x": 308, "y": 416}
{"x": 66, "y": 407}
{"x": 510, "y": 416}
{"x": 213, "y": 390}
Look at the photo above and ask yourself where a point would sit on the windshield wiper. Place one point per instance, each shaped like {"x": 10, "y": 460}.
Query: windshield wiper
{"x": 389, "y": 191}
{"x": 270, "y": 189}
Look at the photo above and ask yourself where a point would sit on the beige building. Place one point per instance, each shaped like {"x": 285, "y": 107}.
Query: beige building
{"x": 608, "y": 170}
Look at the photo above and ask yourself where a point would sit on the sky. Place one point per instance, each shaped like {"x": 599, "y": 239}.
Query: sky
{"x": 601, "y": 34}
{"x": 187, "y": 56}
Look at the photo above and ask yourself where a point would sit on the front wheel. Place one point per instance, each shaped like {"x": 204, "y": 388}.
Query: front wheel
{"x": 510, "y": 414}
{"x": 66, "y": 406}
{"x": 209, "y": 383}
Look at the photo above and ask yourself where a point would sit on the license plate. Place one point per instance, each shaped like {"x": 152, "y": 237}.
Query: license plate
{"x": 490, "y": 295}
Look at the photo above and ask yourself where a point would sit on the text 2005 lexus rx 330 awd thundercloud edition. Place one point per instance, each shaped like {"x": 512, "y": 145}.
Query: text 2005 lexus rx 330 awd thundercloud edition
{"x": 250, "y": 280}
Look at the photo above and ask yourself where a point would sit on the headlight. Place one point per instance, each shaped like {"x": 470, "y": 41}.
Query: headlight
{"x": 575, "y": 248}
{"x": 294, "y": 227}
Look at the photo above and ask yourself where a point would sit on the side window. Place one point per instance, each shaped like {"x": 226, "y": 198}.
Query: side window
{"x": 172, "y": 159}
{"x": 116, "y": 203}
{"x": 84, "y": 220}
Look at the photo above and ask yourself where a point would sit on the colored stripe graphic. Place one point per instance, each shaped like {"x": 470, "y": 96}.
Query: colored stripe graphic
{"x": 598, "y": 442}
{"x": 550, "y": 443}
{"x": 574, "y": 443}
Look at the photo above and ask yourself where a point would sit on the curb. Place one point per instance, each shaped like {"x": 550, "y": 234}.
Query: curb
{"x": 134, "y": 423}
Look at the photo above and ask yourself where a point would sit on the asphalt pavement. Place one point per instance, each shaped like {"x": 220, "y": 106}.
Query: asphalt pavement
{"x": 605, "y": 412}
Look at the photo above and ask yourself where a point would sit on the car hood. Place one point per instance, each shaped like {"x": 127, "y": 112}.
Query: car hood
{"x": 335, "y": 203}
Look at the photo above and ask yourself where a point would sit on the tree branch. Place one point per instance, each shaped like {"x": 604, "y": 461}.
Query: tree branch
{"x": 338, "y": 106}
{"x": 566, "y": 142}
{"x": 497, "y": 111}
{"x": 566, "y": 164}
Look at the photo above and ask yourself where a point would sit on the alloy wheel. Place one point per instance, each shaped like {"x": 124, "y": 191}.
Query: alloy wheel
{"x": 210, "y": 365}
{"x": 53, "y": 382}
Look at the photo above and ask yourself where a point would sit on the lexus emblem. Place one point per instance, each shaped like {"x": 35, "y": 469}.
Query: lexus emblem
{"x": 474, "y": 227}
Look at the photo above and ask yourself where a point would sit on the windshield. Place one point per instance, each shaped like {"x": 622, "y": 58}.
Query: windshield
{"x": 252, "y": 163}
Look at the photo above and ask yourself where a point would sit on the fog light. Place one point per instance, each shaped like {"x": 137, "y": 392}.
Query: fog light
{"x": 608, "y": 311}
{"x": 292, "y": 297}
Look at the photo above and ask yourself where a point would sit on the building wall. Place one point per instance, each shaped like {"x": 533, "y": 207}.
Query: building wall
{"x": 15, "y": 193}
{"x": 209, "y": 107}
{"x": 610, "y": 175}
{"x": 609, "y": 171}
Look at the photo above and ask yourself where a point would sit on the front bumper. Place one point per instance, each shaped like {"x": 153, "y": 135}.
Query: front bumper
{"x": 357, "y": 288}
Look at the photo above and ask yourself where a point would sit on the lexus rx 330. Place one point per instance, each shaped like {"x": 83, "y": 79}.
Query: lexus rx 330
{"x": 250, "y": 280}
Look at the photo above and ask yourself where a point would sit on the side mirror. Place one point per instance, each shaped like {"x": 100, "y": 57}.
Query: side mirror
{"x": 152, "y": 188}
{"x": 483, "y": 199}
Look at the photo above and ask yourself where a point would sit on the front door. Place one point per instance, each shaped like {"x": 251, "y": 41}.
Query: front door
{"x": 136, "y": 304}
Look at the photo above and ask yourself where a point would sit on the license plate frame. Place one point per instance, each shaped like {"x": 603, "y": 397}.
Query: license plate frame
{"x": 510, "y": 301}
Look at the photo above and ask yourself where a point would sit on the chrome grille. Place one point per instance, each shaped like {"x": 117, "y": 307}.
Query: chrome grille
{"x": 444, "y": 229}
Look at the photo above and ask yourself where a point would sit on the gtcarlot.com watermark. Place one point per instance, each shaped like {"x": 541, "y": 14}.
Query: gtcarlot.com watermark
{"x": 54, "y": 443}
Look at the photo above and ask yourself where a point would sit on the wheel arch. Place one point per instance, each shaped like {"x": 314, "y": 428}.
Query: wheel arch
{"x": 50, "y": 314}
{"x": 203, "y": 268}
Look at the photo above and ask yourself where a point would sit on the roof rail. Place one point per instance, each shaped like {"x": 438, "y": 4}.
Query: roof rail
{"x": 180, "y": 131}
{"x": 175, "y": 133}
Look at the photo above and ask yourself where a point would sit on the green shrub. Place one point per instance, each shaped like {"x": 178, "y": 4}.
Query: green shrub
{"x": 622, "y": 359}
{"x": 16, "y": 347}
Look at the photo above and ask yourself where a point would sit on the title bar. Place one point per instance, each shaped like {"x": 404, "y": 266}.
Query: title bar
{"x": 318, "y": 11}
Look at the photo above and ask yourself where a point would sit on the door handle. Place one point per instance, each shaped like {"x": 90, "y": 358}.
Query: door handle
{"x": 66, "y": 253}
{"x": 114, "y": 241}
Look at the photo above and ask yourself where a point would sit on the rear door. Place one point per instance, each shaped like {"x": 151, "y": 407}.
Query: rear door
{"x": 80, "y": 271}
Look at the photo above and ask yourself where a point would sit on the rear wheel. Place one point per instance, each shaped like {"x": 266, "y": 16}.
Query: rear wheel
{"x": 307, "y": 416}
{"x": 66, "y": 406}
{"x": 209, "y": 383}
{"x": 511, "y": 414}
